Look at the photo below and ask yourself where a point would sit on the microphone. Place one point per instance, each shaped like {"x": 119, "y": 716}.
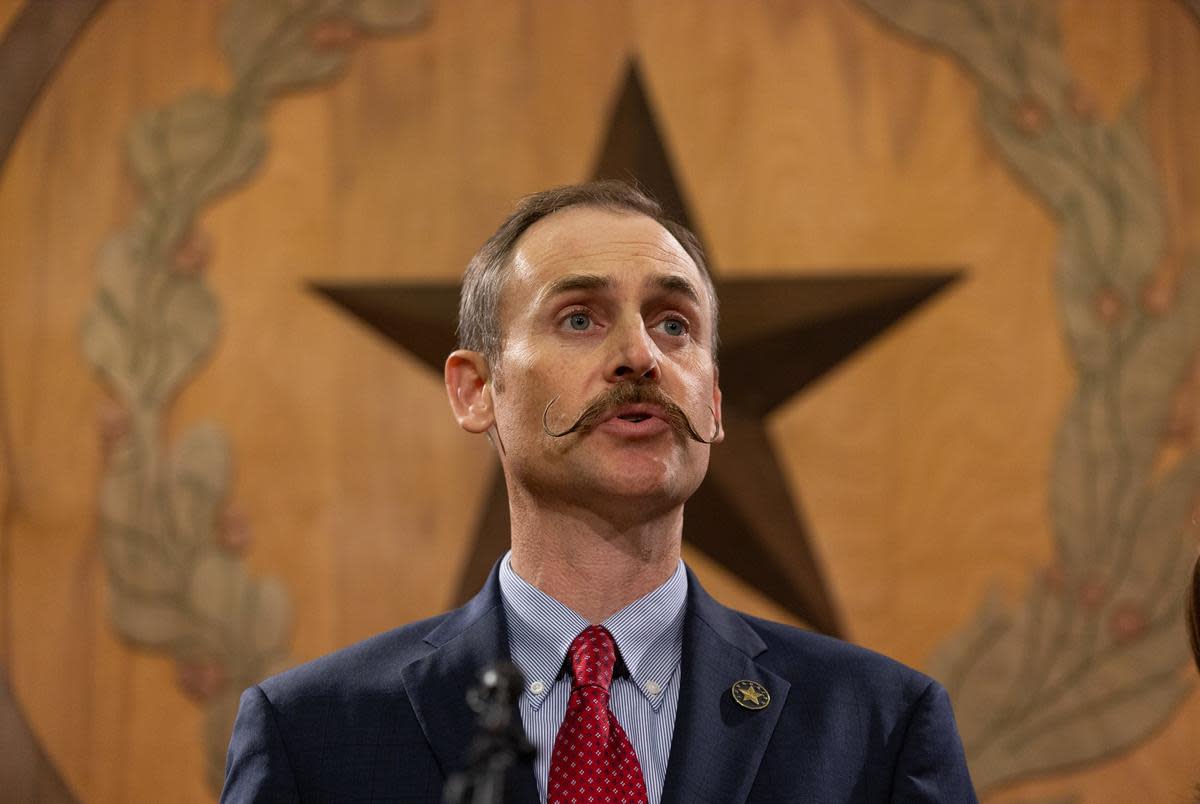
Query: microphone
{"x": 499, "y": 741}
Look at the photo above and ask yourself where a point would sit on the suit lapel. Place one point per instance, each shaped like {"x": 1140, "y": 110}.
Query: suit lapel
{"x": 467, "y": 641}
{"x": 718, "y": 745}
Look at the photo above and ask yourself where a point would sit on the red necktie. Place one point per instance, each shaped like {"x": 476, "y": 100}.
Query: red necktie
{"x": 593, "y": 761}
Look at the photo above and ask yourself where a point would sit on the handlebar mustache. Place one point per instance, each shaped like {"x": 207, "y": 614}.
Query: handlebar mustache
{"x": 630, "y": 393}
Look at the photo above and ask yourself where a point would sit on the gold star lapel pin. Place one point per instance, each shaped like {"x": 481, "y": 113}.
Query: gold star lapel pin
{"x": 750, "y": 694}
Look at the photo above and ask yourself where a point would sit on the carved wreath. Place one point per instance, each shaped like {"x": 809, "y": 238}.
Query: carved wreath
{"x": 177, "y": 583}
{"x": 1090, "y": 663}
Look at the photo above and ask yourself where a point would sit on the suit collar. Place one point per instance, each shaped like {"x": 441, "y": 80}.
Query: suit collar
{"x": 466, "y": 642}
{"x": 726, "y": 624}
{"x": 718, "y": 745}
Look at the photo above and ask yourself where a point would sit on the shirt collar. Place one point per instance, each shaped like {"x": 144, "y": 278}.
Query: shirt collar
{"x": 648, "y": 633}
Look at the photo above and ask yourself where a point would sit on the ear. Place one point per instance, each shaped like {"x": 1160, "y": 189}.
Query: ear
{"x": 716, "y": 407}
{"x": 469, "y": 390}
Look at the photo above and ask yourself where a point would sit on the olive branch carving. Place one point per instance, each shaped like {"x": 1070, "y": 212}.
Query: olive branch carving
{"x": 1088, "y": 664}
{"x": 170, "y": 544}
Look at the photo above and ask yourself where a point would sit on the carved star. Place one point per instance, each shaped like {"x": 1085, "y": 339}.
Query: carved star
{"x": 778, "y": 336}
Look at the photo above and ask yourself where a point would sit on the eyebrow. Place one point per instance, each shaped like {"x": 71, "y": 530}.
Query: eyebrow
{"x": 570, "y": 282}
{"x": 671, "y": 283}
{"x": 674, "y": 283}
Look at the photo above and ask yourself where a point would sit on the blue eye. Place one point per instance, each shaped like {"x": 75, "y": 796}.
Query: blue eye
{"x": 674, "y": 327}
{"x": 579, "y": 321}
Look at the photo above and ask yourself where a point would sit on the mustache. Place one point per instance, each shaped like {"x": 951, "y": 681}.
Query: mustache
{"x": 630, "y": 393}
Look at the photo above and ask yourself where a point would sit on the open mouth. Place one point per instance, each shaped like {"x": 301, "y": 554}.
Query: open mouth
{"x": 634, "y": 417}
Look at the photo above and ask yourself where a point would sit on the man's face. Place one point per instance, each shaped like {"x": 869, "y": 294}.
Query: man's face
{"x": 596, "y": 299}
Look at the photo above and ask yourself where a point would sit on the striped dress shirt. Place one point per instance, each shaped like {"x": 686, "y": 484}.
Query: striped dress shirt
{"x": 645, "y": 689}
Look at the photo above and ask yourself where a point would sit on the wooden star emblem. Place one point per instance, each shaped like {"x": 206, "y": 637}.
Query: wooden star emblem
{"x": 778, "y": 335}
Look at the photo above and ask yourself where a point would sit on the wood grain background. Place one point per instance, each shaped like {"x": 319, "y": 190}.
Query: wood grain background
{"x": 807, "y": 136}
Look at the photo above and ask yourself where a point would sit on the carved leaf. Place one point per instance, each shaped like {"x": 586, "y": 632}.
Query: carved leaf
{"x": 388, "y": 15}
{"x": 269, "y": 45}
{"x": 1156, "y": 362}
{"x": 1115, "y": 668}
{"x": 296, "y": 63}
{"x": 248, "y": 29}
{"x": 1078, "y": 284}
{"x": 108, "y": 327}
{"x": 185, "y": 333}
{"x": 192, "y": 149}
{"x": 139, "y": 564}
{"x": 1128, "y": 148}
{"x": 1131, "y": 170}
{"x": 1064, "y": 641}
{"x": 269, "y": 616}
{"x": 217, "y": 591}
{"x": 957, "y": 26}
{"x": 148, "y": 622}
{"x": 146, "y": 351}
{"x": 1092, "y": 479}
{"x": 257, "y": 614}
{"x": 1046, "y": 74}
{"x": 200, "y": 474}
{"x": 1074, "y": 493}
{"x": 1160, "y": 559}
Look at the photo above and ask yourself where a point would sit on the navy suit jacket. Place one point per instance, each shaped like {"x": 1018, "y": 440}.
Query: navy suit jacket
{"x": 386, "y": 720}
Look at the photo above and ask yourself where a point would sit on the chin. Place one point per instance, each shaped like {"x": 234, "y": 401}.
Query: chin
{"x": 627, "y": 508}
{"x": 667, "y": 486}
{"x": 630, "y": 489}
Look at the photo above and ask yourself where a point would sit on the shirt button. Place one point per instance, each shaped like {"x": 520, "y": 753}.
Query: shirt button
{"x": 537, "y": 687}
{"x": 652, "y": 688}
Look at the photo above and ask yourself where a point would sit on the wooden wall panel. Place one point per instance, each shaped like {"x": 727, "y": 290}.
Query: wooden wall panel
{"x": 8, "y": 12}
{"x": 809, "y": 138}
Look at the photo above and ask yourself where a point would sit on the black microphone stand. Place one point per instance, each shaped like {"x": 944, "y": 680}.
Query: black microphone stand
{"x": 499, "y": 741}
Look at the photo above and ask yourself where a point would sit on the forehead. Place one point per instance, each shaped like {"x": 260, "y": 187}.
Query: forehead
{"x": 619, "y": 244}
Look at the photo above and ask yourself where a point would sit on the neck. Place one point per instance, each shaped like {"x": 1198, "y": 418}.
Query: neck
{"x": 592, "y": 564}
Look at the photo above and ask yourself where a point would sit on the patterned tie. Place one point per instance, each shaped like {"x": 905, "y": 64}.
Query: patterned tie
{"x": 593, "y": 760}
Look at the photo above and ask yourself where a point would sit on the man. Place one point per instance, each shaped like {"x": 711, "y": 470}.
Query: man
{"x": 589, "y": 328}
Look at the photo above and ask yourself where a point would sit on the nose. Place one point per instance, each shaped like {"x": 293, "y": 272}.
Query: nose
{"x": 634, "y": 355}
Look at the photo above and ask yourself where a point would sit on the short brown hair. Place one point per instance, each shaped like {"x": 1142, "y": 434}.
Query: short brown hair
{"x": 479, "y": 326}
